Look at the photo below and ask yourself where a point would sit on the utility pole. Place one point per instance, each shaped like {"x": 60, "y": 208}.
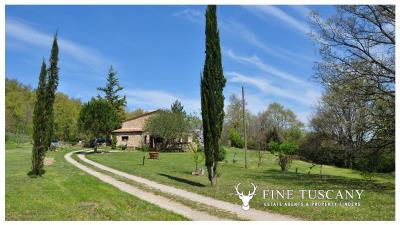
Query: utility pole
{"x": 244, "y": 129}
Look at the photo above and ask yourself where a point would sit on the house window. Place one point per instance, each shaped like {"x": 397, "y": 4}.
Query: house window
{"x": 125, "y": 138}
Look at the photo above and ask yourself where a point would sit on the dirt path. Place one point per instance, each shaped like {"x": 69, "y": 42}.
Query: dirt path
{"x": 251, "y": 214}
{"x": 160, "y": 201}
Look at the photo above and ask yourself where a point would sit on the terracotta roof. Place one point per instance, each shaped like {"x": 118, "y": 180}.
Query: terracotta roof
{"x": 123, "y": 130}
{"x": 144, "y": 114}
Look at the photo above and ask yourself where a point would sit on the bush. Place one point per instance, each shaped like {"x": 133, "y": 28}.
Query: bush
{"x": 114, "y": 142}
{"x": 285, "y": 151}
{"x": 236, "y": 139}
{"x": 123, "y": 147}
{"x": 221, "y": 154}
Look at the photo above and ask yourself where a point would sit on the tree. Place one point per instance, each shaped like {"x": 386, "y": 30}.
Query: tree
{"x": 111, "y": 91}
{"x": 170, "y": 127}
{"x": 197, "y": 155}
{"x": 234, "y": 121}
{"x": 357, "y": 46}
{"x": 277, "y": 124}
{"x": 317, "y": 149}
{"x": 40, "y": 124}
{"x": 19, "y": 104}
{"x": 212, "y": 98}
{"x": 51, "y": 88}
{"x": 342, "y": 118}
{"x": 98, "y": 118}
{"x": 235, "y": 139}
{"x": 66, "y": 114}
{"x": 177, "y": 107}
{"x": 134, "y": 113}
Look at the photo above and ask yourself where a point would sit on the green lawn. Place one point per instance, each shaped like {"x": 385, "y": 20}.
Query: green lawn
{"x": 66, "y": 193}
{"x": 175, "y": 169}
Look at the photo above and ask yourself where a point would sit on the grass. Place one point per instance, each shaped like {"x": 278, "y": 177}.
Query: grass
{"x": 67, "y": 193}
{"x": 378, "y": 202}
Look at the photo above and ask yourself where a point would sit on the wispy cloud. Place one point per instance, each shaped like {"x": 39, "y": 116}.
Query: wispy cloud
{"x": 160, "y": 99}
{"x": 264, "y": 67}
{"x": 265, "y": 12}
{"x": 26, "y": 33}
{"x": 301, "y": 9}
{"x": 192, "y": 15}
{"x": 307, "y": 97}
{"x": 251, "y": 38}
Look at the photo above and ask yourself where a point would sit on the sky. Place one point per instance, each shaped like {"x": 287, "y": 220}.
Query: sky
{"x": 158, "y": 52}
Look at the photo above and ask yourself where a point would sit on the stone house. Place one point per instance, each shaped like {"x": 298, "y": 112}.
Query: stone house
{"x": 132, "y": 133}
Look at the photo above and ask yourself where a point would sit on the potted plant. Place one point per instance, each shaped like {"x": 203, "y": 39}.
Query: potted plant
{"x": 153, "y": 154}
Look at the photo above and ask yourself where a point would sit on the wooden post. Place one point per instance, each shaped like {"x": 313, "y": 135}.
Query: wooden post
{"x": 244, "y": 129}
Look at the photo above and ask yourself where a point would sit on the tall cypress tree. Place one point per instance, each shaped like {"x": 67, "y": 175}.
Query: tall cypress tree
{"x": 111, "y": 92}
{"x": 43, "y": 116}
{"x": 52, "y": 83}
{"x": 39, "y": 124}
{"x": 212, "y": 98}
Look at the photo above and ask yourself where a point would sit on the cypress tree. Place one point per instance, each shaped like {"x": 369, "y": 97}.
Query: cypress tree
{"x": 39, "y": 124}
{"x": 43, "y": 118}
{"x": 51, "y": 87}
{"x": 212, "y": 98}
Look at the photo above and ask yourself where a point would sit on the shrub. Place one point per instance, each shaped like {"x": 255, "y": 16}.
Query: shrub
{"x": 285, "y": 151}
{"x": 114, "y": 142}
{"x": 221, "y": 154}
{"x": 236, "y": 139}
{"x": 123, "y": 147}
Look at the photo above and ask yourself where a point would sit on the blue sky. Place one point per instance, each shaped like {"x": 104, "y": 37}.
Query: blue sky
{"x": 158, "y": 52}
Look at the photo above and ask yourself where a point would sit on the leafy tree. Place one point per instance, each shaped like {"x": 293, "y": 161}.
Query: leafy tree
{"x": 134, "y": 113}
{"x": 236, "y": 139}
{"x": 19, "y": 104}
{"x": 277, "y": 124}
{"x": 234, "y": 120}
{"x": 66, "y": 114}
{"x": 40, "y": 124}
{"x": 111, "y": 91}
{"x": 98, "y": 118}
{"x": 170, "y": 127}
{"x": 197, "y": 154}
{"x": 212, "y": 98}
{"x": 357, "y": 47}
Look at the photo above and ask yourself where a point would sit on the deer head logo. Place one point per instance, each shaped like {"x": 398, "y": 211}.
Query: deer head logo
{"x": 245, "y": 198}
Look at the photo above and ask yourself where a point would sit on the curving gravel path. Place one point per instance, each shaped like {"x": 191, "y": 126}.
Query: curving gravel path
{"x": 252, "y": 214}
{"x": 146, "y": 196}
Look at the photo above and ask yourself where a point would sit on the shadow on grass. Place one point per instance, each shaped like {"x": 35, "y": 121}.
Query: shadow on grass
{"x": 92, "y": 152}
{"x": 317, "y": 181}
{"x": 182, "y": 180}
{"x": 32, "y": 174}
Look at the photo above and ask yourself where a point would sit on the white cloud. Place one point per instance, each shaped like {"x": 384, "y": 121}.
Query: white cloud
{"x": 192, "y": 15}
{"x": 244, "y": 33}
{"x": 301, "y": 9}
{"x": 257, "y": 62}
{"x": 264, "y": 12}
{"x": 156, "y": 99}
{"x": 25, "y": 33}
{"x": 307, "y": 97}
